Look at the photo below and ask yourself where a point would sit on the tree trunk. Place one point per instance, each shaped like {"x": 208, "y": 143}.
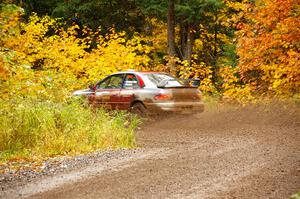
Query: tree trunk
{"x": 215, "y": 52}
{"x": 187, "y": 42}
{"x": 183, "y": 38}
{"x": 171, "y": 37}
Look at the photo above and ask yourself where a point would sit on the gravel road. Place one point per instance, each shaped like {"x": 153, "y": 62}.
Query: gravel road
{"x": 222, "y": 153}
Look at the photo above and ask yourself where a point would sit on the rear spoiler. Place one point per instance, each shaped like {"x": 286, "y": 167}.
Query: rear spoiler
{"x": 192, "y": 82}
{"x": 188, "y": 83}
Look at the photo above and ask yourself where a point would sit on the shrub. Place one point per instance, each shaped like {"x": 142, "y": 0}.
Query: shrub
{"x": 44, "y": 128}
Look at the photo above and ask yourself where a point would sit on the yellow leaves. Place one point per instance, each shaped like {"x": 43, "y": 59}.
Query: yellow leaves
{"x": 116, "y": 54}
{"x": 233, "y": 90}
{"x": 276, "y": 83}
{"x": 241, "y": 94}
{"x": 37, "y": 27}
{"x": 236, "y": 5}
{"x": 200, "y": 70}
{"x": 9, "y": 20}
{"x": 229, "y": 79}
{"x": 59, "y": 63}
{"x": 207, "y": 85}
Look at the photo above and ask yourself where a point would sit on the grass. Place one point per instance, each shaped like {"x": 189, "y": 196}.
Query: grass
{"x": 295, "y": 196}
{"x": 32, "y": 128}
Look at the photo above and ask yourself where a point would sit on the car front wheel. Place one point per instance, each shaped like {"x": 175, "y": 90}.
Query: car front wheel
{"x": 139, "y": 109}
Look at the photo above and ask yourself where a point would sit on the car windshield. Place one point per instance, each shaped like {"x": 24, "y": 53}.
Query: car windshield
{"x": 163, "y": 80}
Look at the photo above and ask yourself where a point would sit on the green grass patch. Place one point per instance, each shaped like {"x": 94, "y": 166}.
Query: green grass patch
{"x": 31, "y": 128}
{"x": 295, "y": 196}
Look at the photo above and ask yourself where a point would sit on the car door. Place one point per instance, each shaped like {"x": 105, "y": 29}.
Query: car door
{"x": 107, "y": 92}
{"x": 127, "y": 94}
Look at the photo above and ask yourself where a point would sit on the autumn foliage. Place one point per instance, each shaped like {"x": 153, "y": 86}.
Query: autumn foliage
{"x": 242, "y": 51}
{"x": 42, "y": 54}
{"x": 41, "y": 63}
{"x": 268, "y": 47}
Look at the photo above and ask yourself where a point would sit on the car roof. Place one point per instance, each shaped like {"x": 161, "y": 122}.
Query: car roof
{"x": 139, "y": 72}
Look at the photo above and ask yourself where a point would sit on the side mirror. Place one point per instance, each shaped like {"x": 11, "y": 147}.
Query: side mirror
{"x": 195, "y": 82}
{"x": 91, "y": 87}
{"x": 191, "y": 82}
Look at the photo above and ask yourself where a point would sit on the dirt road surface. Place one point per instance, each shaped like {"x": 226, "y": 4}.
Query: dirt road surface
{"x": 232, "y": 153}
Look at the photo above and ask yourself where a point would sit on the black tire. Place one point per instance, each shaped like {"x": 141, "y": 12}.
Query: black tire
{"x": 139, "y": 109}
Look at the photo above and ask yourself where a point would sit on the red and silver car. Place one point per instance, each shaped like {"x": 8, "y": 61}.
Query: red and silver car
{"x": 143, "y": 93}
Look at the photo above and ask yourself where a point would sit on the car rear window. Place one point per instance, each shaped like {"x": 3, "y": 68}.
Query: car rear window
{"x": 131, "y": 82}
{"x": 164, "y": 80}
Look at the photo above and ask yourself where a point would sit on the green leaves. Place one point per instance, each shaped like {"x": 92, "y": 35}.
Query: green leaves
{"x": 193, "y": 11}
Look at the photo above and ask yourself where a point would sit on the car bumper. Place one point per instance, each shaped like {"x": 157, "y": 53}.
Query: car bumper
{"x": 184, "y": 107}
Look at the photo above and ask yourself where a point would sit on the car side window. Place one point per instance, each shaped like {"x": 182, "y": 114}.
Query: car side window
{"x": 102, "y": 84}
{"x": 112, "y": 82}
{"x": 131, "y": 82}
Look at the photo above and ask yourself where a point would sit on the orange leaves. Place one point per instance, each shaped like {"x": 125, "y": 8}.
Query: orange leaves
{"x": 269, "y": 46}
{"x": 3, "y": 70}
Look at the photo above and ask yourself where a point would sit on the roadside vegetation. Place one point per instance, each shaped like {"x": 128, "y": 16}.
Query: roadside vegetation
{"x": 242, "y": 51}
{"x": 41, "y": 129}
{"x": 38, "y": 116}
{"x": 295, "y": 196}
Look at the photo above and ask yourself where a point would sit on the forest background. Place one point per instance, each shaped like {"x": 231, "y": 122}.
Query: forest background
{"x": 243, "y": 51}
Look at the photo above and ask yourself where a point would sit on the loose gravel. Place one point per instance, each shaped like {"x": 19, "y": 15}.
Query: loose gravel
{"x": 31, "y": 172}
{"x": 250, "y": 152}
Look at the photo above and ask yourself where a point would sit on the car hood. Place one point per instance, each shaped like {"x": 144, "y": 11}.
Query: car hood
{"x": 83, "y": 92}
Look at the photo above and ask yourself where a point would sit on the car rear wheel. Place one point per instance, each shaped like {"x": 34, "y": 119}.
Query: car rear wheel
{"x": 139, "y": 109}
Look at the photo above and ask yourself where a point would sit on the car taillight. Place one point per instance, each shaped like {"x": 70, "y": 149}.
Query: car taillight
{"x": 141, "y": 82}
{"x": 199, "y": 94}
{"x": 163, "y": 97}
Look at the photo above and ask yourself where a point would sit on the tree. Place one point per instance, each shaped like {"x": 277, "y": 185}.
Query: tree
{"x": 269, "y": 46}
{"x": 171, "y": 37}
{"x": 122, "y": 14}
{"x": 187, "y": 15}
{"x": 191, "y": 14}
